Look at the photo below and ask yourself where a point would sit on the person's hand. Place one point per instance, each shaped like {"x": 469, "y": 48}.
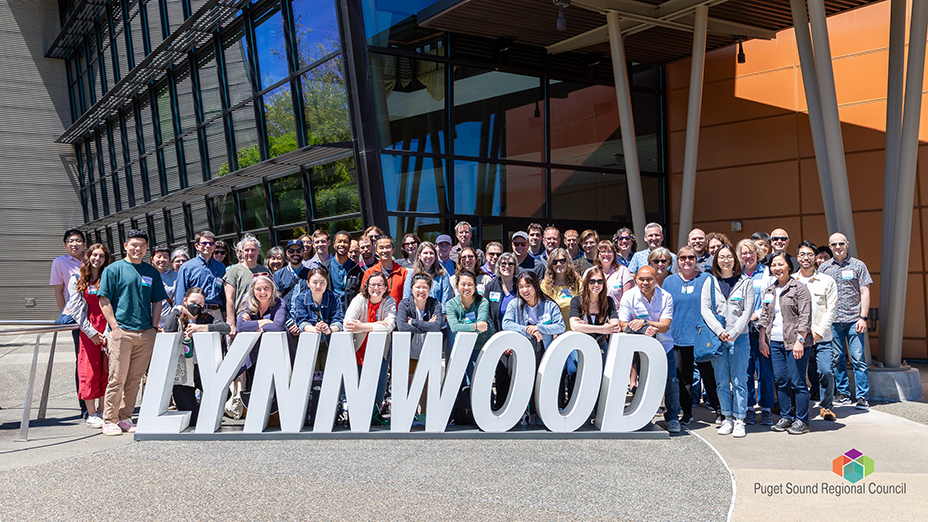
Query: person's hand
{"x": 531, "y": 329}
{"x": 293, "y": 329}
{"x": 263, "y": 322}
{"x": 636, "y": 324}
{"x": 98, "y": 339}
{"x": 507, "y": 353}
{"x": 861, "y": 326}
{"x": 433, "y": 319}
{"x": 538, "y": 336}
{"x": 481, "y": 326}
{"x": 615, "y": 328}
{"x": 764, "y": 347}
{"x": 351, "y": 325}
{"x": 233, "y": 331}
{"x": 409, "y": 321}
{"x": 798, "y": 350}
{"x": 754, "y": 317}
{"x": 323, "y": 328}
{"x": 311, "y": 329}
{"x": 651, "y": 331}
{"x": 193, "y": 328}
{"x": 725, "y": 337}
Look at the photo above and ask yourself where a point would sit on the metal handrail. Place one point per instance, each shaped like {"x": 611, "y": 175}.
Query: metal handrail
{"x": 38, "y": 328}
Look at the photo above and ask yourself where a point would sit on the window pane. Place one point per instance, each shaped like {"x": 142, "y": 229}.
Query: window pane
{"x": 171, "y": 170}
{"x": 279, "y": 121}
{"x": 409, "y": 100}
{"x": 253, "y": 207}
{"x": 491, "y": 189}
{"x": 325, "y": 102}
{"x": 138, "y": 45}
{"x": 585, "y": 125}
{"x": 223, "y": 214}
{"x": 199, "y": 215}
{"x": 175, "y": 13}
{"x": 164, "y": 113}
{"x": 316, "y": 29}
{"x": 414, "y": 184}
{"x": 192, "y": 159}
{"x": 177, "y": 225}
{"x": 238, "y": 72}
{"x": 154, "y": 24}
{"x": 216, "y": 145}
{"x": 349, "y": 225}
{"x": 498, "y": 115}
{"x": 270, "y": 47}
{"x": 209, "y": 87}
{"x": 158, "y": 233}
{"x": 187, "y": 116}
{"x": 335, "y": 189}
{"x": 287, "y": 203}
{"x": 428, "y": 229}
{"x": 246, "y": 136}
{"x": 593, "y": 196}
{"x": 379, "y": 17}
{"x": 648, "y": 134}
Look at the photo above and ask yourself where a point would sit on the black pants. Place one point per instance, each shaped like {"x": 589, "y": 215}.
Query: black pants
{"x": 503, "y": 381}
{"x": 707, "y": 374}
{"x": 684, "y": 358}
{"x": 76, "y": 335}
{"x": 185, "y": 397}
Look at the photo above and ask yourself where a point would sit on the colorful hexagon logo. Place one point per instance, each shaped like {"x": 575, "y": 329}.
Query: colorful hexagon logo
{"x": 853, "y": 466}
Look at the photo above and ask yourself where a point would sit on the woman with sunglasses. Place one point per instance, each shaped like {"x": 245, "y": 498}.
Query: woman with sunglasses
{"x": 222, "y": 253}
{"x": 561, "y": 282}
{"x": 685, "y": 287}
{"x": 467, "y": 262}
{"x": 500, "y": 292}
{"x": 660, "y": 259}
{"x": 618, "y": 278}
{"x": 372, "y": 310}
{"x": 734, "y": 301}
{"x": 534, "y": 315}
{"x": 593, "y": 312}
{"x": 425, "y": 261}
{"x": 410, "y": 245}
{"x": 625, "y": 245}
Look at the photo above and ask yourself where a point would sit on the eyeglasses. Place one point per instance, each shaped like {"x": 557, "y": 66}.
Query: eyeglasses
{"x": 555, "y": 262}
{"x": 467, "y": 257}
{"x": 376, "y": 285}
{"x": 806, "y": 254}
{"x": 779, "y": 238}
{"x": 506, "y": 264}
{"x": 520, "y": 245}
{"x": 207, "y": 243}
{"x": 494, "y": 254}
{"x": 838, "y": 243}
{"x": 624, "y": 238}
{"x": 410, "y": 243}
{"x": 597, "y": 281}
{"x": 686, "y": 258}
{"x": 294, "y": 251}
{"x": 726, "y": 258}
{"x": 220, "y": 252}
{"x": 661, "y": 261}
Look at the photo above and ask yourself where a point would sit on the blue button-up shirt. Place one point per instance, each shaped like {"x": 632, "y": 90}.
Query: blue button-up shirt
{"x": 338, "y": 273}
{"x": 206, "y": 275}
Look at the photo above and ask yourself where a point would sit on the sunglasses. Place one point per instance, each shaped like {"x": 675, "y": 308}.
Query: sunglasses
{"x": 507, "y": 263}
{"x": 661, "y": 261}
{"x": 597, "y": 281}
{"x": 838, "y": 243}
{"x": 556, "y": 262}
{"x": 779, "y": 238}
{"x": 410, "y": 243}
{"x": 220, "y": 252}
{"x": 207, "y": 243}
{"x": 295, "y": 251}
{"x": 624, "y": 238}
{"x": 686, "y": 258}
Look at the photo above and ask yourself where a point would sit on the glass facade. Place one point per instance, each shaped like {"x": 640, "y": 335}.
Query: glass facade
{"x": 457, "y": 127}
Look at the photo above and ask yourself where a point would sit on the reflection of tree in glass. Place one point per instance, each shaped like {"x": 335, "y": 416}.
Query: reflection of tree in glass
{"x": 335, "y": 189}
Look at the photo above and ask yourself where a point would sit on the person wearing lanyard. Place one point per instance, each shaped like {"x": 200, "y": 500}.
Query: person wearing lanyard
{"x": 685, "y": 287}
{"x": 500, "y": 292}
{"x": 618, "y": 278}
{"x": 561, "y": 284}
{"x": 469, "y": 312}
{"x": 319, "y": 311}
{"x": 206, "y": 272}
{"x": 340, "y": 264}
{"x": 392, "y": 271}
{"x": 624, "y": 241}
{"x": 593, "y": 313}
{"x": 758, "y": 365}
{"x": 785, "y": 322}
{"x": 419, "y": 313}
{"x": 240, "y": 278}
{"x": 649, "y": 310}
{"x": 289, "y": 279}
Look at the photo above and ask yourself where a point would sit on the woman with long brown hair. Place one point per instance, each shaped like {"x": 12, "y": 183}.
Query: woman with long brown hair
{"x": 84, "y": 306}
{"x": 561, "y": 282}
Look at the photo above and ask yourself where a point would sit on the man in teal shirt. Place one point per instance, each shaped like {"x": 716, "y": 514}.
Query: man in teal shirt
{"x": 130, "y": 294}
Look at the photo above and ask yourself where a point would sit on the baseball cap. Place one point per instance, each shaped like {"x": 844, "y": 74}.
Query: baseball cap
{"x": 521, "y": 234}
{"x": 296, "y": 242}
{"x": 444, "y": 238}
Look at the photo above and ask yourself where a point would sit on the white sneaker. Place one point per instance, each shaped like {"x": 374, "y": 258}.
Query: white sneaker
{"x": 94, "y": 421}
{"x": 738, "y": 430}
{"x": 726, "y": 427}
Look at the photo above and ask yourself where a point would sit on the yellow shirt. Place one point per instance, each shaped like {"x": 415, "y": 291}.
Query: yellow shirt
{"x": 562, "y": 296}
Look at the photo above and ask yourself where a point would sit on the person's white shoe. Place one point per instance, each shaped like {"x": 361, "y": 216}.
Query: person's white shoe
{"x": 738, "y": 430}
{"x": 726, "y": 427}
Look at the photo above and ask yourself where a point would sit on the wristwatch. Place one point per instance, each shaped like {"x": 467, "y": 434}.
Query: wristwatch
{"x": 864, "y": 317}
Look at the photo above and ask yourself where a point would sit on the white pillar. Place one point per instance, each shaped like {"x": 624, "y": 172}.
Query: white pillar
{"x": 626, "y": 124}
{"x": 693, "y": 112}
{"x": 894, "y": 314}
{"x": 893, "y": 130}
{"x": 813, "y": 101}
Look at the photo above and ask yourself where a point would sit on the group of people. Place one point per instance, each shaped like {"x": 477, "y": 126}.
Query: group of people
{"x": 769, "y": 310}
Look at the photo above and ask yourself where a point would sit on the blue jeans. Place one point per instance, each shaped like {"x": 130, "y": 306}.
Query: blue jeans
{"x": 825, "y": 378}
{"x": 731, "y": 376}
{"x": 790, "y": 375}
{"x": 847, "y": 332}
{"x": 671, "y": 390}
{"x": 760, "y": 365}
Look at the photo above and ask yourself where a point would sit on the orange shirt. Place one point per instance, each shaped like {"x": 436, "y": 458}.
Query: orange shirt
{"x": 395, "y": 279}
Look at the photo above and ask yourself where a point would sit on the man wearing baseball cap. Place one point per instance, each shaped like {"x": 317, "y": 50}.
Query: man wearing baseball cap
{"x": 526, "y": 262}
{"x": 443, "y": 243}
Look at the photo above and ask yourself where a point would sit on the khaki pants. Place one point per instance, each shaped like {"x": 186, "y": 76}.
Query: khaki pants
{"x": 130, "y": 354}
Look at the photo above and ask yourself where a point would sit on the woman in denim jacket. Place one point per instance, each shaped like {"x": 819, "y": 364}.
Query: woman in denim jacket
{"x": 734, "y": 301}
{"x": 785, "y": 322}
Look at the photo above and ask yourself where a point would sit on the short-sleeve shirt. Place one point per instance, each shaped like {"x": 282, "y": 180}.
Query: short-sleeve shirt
{"x": 242, "y": 278}
{"x": 635, "y": 306}
{"x": 131, "y": 289}
{"x": 206, "y": 275}
{"x": 640, "y": 259}
{"x": 849, "y": 275}
{"x": 607, "y": 312}
{"x": 63, "y": 267}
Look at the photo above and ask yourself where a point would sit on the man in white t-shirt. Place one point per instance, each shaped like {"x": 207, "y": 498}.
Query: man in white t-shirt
{"x": 63, "y": 267}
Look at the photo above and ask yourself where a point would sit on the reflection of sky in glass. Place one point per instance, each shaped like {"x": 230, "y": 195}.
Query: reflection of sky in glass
{"x": 380, "y": 15}
{"x": 316, "y": 29}
{"x": 271, "y": 48}
{"x": 414, "y": 190}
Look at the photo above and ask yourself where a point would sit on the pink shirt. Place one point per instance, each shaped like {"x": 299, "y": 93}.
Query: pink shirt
{"x": 63, "y": 267}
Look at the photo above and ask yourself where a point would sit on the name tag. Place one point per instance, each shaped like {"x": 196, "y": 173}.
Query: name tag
{"x": 218, "y": 282}
{"x": 847, "y": 275}
{"x": 737, "y": 298}
{"x": 146, "y": 281}
{"x": 768, "y": 298}
{"x": 616, "y": 285}
{"x": 92, "y": 291}
{"x": 495, "y": 296}
{"x": 481, "y": 288}
{"x": 687, "y": 290}
{"x": 544, "y": 319}
{"x": 470, "y": 317}
{"x": 565, "y": 292}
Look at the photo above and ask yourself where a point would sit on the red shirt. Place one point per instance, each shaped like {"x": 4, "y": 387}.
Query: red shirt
{"x": 372, "y": 309}
{"x": 395, "y": 279}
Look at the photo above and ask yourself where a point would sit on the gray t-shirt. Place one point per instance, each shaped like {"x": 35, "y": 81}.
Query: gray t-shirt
{"x": 242, "y": 278}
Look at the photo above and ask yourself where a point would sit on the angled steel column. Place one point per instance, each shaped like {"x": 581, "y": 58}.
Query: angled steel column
{"x": 832, "y": 124}
{"x": 693, "y": 112}
{"x": 893, "y": 131}
{"x": 626, "y": 123}
{"x": 813, "y": 101}
{"x": 905, "y": 193}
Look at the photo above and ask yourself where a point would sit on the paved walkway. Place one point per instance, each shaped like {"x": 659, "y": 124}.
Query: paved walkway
{"x": 66, "y": 468}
